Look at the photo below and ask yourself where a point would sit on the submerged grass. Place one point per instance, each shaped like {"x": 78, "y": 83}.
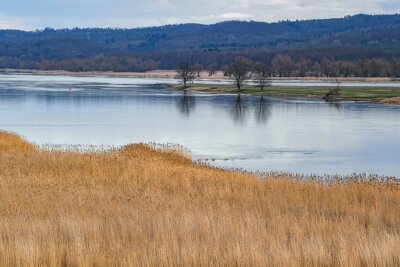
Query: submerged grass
{"x": 145, "y": 206}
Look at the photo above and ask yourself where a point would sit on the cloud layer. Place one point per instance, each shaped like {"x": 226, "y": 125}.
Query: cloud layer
{"x": 28, "y": 14}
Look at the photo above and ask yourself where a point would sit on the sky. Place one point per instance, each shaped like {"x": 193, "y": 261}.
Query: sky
{"x": 38, "y": 14}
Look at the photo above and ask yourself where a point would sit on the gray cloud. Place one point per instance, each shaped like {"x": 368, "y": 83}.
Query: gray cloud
{"x": 28, "y": 14}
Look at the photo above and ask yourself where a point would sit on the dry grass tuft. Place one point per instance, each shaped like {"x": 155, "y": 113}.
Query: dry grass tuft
{"x": 391, "y": 101}
{"x": 11, "y": 143}
{"x": 139, "y": 206}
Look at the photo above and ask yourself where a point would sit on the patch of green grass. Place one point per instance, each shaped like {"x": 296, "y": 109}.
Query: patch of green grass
{"x": 358, "y": 93}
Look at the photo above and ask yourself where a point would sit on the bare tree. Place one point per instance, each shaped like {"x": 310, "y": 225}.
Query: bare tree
{"x": 330, "y": 67}
{"x": 261, "y": 75}
{"x": 212, "y": 69}
{"x": 282, "y": 65}
{"x": 396, "y": 68}
{"x": 198, "y": 68}
{"x": 185, "y": 73}
{"x": 302, "y": 67}
{"x": 240, "y": 70}
{"x": 333, "y": 93}
{"x": 225, "y": 69}
{"x": 345, "y": 68}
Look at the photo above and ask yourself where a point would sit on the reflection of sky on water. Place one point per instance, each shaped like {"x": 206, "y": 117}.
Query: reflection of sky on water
{"x": 246, "y": 132}
{"x": 54, "y": 80}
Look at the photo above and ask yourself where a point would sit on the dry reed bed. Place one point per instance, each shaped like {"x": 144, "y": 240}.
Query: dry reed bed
{"x": 139, "y": 206}
{"x": 391, "y": 101}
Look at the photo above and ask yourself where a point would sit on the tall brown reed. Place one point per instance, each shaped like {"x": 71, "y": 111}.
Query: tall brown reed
{"x": 139, "y": 206}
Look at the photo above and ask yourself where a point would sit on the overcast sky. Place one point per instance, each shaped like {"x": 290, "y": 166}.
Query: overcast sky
{"x": 38, "y": 14}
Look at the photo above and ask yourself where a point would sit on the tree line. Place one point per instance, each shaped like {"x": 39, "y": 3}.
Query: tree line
{"x": 361, "y": 45}
{"x": 284, "y": 66}
{"x": 281, "y": 65}
{"x": 242, "y": 69}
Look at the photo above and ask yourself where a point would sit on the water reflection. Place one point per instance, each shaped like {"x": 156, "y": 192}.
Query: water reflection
{"x": 239, "y": 110}
{"x": 263, "y": 111}
{"x": 334, "y": 104}
{"x": 186, "y": 104}
{"x": 303, "y": 136}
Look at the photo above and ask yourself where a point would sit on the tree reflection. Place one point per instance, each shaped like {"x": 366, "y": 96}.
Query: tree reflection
{"x": 263, "y": 111}
{"x": 186, "y": 104}
{"x": 334, "y": 104}
{"x": 239, "y": 110}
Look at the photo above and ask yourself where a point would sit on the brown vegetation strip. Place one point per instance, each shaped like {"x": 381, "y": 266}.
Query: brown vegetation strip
{"x": 139, "y": 206}
{"x": 391, "y": 101}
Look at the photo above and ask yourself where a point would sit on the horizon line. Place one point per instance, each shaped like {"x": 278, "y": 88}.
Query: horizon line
{"x": 201, "y": 24}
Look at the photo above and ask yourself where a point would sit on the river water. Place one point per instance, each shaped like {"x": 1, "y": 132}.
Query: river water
{"x": 253, "y": 133}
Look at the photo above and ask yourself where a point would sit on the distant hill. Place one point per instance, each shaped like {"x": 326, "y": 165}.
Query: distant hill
{"x": 348, "y": 38}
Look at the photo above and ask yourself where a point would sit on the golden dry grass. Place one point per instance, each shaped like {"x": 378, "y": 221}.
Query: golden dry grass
{"x": 391, "y": 101}
{"x": 13, "y": 143}
{"x": 138, "y": 206}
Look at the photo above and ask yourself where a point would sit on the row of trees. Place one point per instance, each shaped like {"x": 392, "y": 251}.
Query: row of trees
{"x": 98, "y": 63}
{"x": 281, "y": 65}
{"x": 240, "y": 70}
{"x": 285, "y": 66}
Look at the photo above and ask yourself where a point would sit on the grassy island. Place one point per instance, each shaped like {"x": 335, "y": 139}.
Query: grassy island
{"x": 388, "y": 95}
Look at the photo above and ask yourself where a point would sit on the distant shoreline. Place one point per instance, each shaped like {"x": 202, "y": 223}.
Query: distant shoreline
{"x": 171, "y": 74}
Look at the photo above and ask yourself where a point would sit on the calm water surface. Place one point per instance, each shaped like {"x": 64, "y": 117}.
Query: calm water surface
{"x": 248, "y": 132}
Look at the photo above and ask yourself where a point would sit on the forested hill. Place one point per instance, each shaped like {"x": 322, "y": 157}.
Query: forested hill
{"x": 349, "y": 38}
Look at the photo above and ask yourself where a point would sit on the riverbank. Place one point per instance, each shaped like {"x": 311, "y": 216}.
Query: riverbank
{"x": 386, "y": 95}
{"x": 143, "y": 206}
{"x": 380, "y": 94}
{"x": 171, "y": 74}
